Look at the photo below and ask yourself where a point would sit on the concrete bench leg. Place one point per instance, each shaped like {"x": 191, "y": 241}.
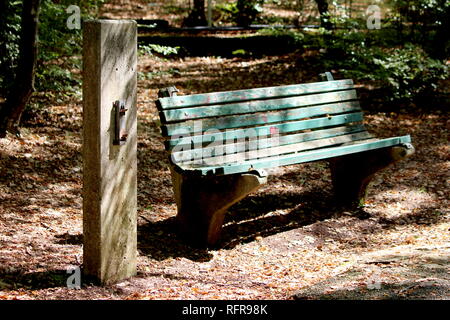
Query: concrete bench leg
{"x": 352, "y": 173}
{"x": 203, "y": 201}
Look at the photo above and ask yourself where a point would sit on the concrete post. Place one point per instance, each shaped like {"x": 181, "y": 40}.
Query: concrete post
{"x": 109, "y": 169}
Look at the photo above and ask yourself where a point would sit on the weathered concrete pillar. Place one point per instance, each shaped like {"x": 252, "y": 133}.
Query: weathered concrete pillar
{"x": 109, "y": 167}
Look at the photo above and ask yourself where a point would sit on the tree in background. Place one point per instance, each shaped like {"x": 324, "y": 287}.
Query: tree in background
{"x": 9, "y": 42}
{"x": 197, "y": 16}
{"x": 244, "y": 12}
{"x": 325, "y": 21}
{"x": 59, "y": 54}
{"x": 20, "y": 91}
{"x": 428, "y": 22}
{"x": 247, "y": 11}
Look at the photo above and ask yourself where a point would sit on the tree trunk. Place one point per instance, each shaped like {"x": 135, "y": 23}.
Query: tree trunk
{"x": 3, "y": 39}
{"x": 23, "y": 87}
{"x": 197, "y": 16}
{"x": 441, "y": 42}
{"x": 247, "y": 12}
{"x": 325, "y": 22}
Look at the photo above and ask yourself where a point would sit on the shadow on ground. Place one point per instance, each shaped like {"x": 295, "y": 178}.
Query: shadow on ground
{"x": 33, "y": 280}
{"x": 250, "y": 218}
{"x": 413, "y": 274}
{"x": 259, "y": 216}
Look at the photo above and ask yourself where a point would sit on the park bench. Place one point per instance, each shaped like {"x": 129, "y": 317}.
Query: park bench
{"x": 222, "y": 144}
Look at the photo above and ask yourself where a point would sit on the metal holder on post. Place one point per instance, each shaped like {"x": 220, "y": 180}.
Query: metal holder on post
{"x": 120, "y": 135}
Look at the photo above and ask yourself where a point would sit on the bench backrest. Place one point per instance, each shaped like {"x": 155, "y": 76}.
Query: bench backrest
{"x": 318, "y": 114}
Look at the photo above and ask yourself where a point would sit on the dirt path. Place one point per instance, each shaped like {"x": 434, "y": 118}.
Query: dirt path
{"x": 403, "y": 272}
{"x": 287, "y": 239}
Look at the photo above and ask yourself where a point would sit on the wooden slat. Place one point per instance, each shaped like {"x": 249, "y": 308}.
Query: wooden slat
{"x": 307, "y": 156}
{"x": 255, "y": 106}
{"x": 188, "y": 153}
{"x": 184, "y": 136}
{"x": 247, "y": 155}
{"x": 260, "y": 118}
{"x": 250, "y": 94}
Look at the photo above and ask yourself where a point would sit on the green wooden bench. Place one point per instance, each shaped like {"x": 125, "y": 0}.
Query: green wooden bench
{"x": 221, "y": 145}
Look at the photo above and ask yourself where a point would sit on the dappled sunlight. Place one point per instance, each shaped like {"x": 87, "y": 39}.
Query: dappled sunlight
{"x": 399, "y": 195}
{"x": 403, "y": 203}
{"x": 288, "y": 235}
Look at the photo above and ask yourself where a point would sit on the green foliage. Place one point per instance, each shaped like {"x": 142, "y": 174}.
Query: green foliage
{"x": 57, "y": 43}
{"x": 240, "y": 52}
{"x": 55, "y": 38}
{"x": 227, "y": 11}
{"x": 420, "y": 11}
{"x": 58, "y": 77}
{"x": 247, "y": 11}
{"x": 10, "y": 17}
{"x": 292, "y": 36}
{"x": 242, "y": 12}
{"x": 156, "y": 49}
{"x": 409, "y": 72}
{"x": 423, "y": 21}
{"x": 406, "y": 71}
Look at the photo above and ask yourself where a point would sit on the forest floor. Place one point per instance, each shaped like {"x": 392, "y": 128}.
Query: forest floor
{"x": 287, "y": 240}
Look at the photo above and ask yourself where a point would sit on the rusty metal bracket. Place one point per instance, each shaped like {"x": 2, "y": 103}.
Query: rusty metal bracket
{"x": 120, "y": 134}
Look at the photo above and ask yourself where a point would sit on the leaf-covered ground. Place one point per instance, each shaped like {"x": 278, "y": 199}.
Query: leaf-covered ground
{"x": 288, "y": 239}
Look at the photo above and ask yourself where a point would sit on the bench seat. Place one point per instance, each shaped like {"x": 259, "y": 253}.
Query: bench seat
{"x": 221, "y": 145}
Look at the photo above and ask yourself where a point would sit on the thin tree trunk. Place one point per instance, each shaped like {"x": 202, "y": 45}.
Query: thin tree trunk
{"x": 197, "y": 16}
{"x": 325, "y": 22}
{"x": 23, "y": 87}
